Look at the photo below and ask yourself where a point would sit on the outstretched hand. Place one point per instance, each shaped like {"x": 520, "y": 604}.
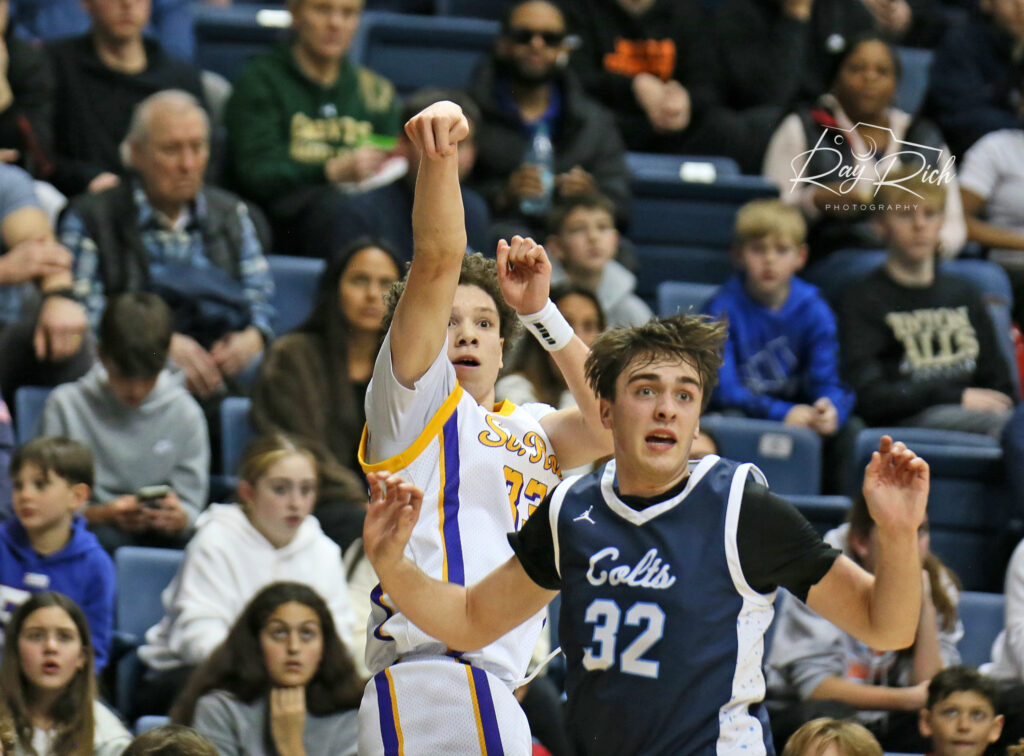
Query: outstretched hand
{"x": 896, "y": 484}
{"x": 436, "y": 130}
{"x": 392, "y": 513}
{"x": 524, "y": 274}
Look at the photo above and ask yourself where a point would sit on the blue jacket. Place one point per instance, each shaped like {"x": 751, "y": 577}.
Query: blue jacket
{"x": 82, "y": 571}
{"x": 777, "y": 358}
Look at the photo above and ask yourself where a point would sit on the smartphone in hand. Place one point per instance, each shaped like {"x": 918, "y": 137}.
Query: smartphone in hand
{"x": 151, "y": 496}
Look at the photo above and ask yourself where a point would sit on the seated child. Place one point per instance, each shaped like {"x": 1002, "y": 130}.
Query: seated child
{"x": 583, "y": 242}
{"x": 46, "y": 546}
{"x": 144, "y": 427}
{"x": 814, "y": 668}
{"x": 918, "y": 345}
{"x": 239, "y": 549}
{"x": 960, "y": 716}
{"x": 48, "y": 686}
{"x": 832, "y": 737}
{"x": 781, "y": 361}
{"x": 282, "y": 671}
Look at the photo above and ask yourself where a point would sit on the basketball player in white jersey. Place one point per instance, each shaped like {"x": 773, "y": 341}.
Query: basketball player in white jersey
{"x": 431, "y": 418}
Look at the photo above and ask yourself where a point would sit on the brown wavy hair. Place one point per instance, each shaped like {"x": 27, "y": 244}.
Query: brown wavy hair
{"x": 697, "y": 340}
{"x": 237, "y": 665}
{"x": 72, "y": 712}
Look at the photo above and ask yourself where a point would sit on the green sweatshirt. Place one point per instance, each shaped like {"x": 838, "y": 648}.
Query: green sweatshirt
{"x": 283, "y": 127}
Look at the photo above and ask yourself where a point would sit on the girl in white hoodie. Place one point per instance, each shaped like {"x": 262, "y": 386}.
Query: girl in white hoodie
{"x": 238, "y": 549}
{"x": 47, "y": 686}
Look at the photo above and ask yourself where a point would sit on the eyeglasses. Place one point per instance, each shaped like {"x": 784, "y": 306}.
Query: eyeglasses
{"x": 525, "y": 36}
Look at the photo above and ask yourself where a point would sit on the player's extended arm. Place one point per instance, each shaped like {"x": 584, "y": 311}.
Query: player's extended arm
{"x": 439, "y": 242}
{"x": 882, "y": 610}
{"x": 465, "y": 618}
{"x": 577, "y": 435}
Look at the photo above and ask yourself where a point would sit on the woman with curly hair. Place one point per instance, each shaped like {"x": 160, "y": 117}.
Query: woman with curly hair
{"x": 281, "y": 684}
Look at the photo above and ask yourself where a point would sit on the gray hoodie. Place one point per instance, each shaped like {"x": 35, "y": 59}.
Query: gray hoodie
{"x": 807, "y": 648}
{"x": 615, "y": 293}
{"x": 163, "y": 441}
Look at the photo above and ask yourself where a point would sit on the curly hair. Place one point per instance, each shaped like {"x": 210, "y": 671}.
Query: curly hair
{"x": 478, "y": 271}
{"x": 237, "y": 665}
{"x": 698, "y": 340}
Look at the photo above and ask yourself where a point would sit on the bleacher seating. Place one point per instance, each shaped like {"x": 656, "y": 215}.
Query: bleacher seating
{"x": 915, "y": 63}
{"x": 823, "y": 512}
{"x": 663, "y": 262}
{"x": 983, "y": 618}
{"x": 295, "y": 282}
{"x": 421, "y": 51}
{"x": 142, "y": 575}
{"x": 150, "y": 722}
{"x": 490, "y": 9}
{"x": 647, "y": 166}
{"x": 28, "y": 410}
{"x": 235, "y": 432}
{"x": 790, "y": 457}
{"x": 227, "y": 35}
{"x": 682, "y": 296}
{"x": 970, "y": 511}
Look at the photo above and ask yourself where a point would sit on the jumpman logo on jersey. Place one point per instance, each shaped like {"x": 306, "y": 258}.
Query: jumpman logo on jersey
{"x": 585, "y": 516}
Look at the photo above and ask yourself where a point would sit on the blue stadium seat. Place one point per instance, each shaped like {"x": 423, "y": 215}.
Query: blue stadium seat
{"x": 823, "y": 512}
{"x": 840, "y": 269}
{"x": 28, "y": 410}
{"x": 649, "y": 166}
{"x": 422, "y": 51}
{"x": 235, "y": 432}
{"x": 226, "y": 36}
{"x": 665, "y": 262}
{"x": 295, "y": 284}
{"x": 150, "y": 722}
{"x": 682, "y": 296}
{"x": 790, "y": 457}
{"x": 983, "y": 615}
{"x": 490, "y": 9}
{"x": 142, "y": 575}
{"x": 969, "y": 506}
{"x": 692, "y": 213}
{"x": 915, "y": 64}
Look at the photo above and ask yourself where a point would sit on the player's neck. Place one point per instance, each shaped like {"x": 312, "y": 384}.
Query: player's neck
{"x": 643, "y": 484}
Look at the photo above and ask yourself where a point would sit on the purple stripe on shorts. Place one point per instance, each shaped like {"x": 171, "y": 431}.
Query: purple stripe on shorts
{"x": 488, "y": 717}
{"x": 452, "y": 539}
{"x": 388, "y": 733}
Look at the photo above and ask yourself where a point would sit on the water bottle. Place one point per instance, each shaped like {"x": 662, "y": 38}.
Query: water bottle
{"x": 542, "y": 155}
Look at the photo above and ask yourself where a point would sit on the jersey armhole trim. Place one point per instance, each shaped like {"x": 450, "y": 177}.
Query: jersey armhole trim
{"x": 406, "y": 458}
{"x": 554, "y": 510}
{"x": 732, "y": 519}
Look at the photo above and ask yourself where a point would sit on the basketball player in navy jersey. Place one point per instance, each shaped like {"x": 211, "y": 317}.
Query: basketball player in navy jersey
{"x": 667, "y": 568}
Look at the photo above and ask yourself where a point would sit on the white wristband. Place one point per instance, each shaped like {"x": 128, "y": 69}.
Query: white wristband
{"x": 549, "y": 327}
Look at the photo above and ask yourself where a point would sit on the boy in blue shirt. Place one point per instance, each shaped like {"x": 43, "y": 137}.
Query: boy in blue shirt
{"x": 781, "y": 358}
{"x": 46, "y": 547}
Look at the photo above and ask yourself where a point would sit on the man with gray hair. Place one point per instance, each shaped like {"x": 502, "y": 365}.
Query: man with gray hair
{"x": 164, "y": 231}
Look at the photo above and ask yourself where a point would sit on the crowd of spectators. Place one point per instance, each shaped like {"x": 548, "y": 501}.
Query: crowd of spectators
{"x": 135, "y": 226}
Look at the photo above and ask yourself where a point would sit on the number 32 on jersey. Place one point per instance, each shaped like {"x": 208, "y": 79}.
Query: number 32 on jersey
{"x": 607, "y": 618}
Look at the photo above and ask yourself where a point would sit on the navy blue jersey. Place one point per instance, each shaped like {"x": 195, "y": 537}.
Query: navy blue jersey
{"x": 663, "y": 636}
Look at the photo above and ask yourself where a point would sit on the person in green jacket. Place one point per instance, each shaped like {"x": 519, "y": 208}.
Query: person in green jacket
{"x": 303, "y": 119}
